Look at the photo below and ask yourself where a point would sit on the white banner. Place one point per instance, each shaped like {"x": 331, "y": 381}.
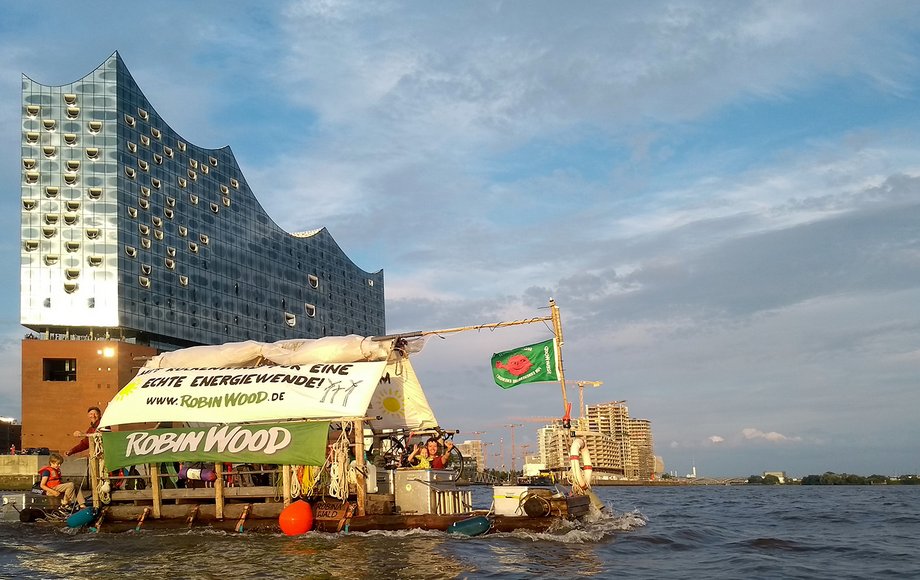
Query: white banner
{"x": 227, "y": 395}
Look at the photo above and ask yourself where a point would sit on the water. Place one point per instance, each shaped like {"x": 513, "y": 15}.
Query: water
{"x": 698, "y": 531}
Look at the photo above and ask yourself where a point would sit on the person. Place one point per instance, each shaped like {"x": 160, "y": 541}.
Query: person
{"x": 439, "y": 460}
{"x": 94, "y": 415}
{"x": 13, "y": 449}
{"x": 419, "y": 458}
{"x": 52, "y": 485}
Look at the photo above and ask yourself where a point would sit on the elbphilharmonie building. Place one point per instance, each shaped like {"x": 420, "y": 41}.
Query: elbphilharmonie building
{"x": 135, "y": 236}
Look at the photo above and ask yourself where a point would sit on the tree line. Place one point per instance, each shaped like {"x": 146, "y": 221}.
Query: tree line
{"x": 831, "y": 478}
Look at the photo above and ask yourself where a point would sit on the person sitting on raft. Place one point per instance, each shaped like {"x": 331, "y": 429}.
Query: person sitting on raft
{"x": 439, "y": 460}
{"x": 419, "y": 458}
{"x": 52, "y": 485}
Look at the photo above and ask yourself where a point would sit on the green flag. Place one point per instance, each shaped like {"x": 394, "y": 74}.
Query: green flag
{"x": 528, "y": 364}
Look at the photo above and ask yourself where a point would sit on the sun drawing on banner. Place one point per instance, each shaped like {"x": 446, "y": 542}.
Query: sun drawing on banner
{"x": 389, "y": 400}
{"x": 128, "y": 389}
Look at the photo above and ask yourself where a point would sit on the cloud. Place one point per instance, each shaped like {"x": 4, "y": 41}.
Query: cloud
{"x": 716, "y": 439}
{"x": 751, "y": 433}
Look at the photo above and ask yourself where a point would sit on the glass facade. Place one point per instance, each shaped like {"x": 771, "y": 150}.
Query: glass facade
{"x": 129, "y": 230}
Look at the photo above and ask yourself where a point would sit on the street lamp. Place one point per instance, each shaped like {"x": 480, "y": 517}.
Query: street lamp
{"x": 512, "y": 426}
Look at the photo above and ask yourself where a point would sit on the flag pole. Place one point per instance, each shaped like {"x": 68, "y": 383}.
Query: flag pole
{"x": 557, "y": 331}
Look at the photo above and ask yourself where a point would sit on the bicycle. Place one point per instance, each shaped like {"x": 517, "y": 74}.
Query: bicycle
{"x": 390, "y": 449}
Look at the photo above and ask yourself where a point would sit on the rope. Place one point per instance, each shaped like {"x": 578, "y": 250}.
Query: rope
{"x": 338, "y": 471}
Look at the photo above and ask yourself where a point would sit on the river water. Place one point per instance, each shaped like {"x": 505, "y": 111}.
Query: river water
{"x": 653, "y": 532}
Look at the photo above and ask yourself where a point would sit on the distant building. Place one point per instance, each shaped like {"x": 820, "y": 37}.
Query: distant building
{"x": 473, "y": 456}
{"x": 135, "y": 241}
{"x": 620, "y": 447}
{"x": 780, "y": 475}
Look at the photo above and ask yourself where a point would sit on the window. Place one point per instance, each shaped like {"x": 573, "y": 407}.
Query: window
{"x": 157, "y": 221}
{"x": 167, "y": 151}
{"x": 290, "y": 319}
{"x": 70, "y": 178}
{"x": 183, "y": 231}
{"x": 32, "y": 136}
{"x": 314, "y": 281}
{"x": 144, "y": 203}
{"x": 28, "y": 204}
{"x": 73, "y": 165}
{"x": 28, "y": 163}
{"x": 32, "y": 176}
{"x": 59, "y": 369}
{"x": 49, "y": 124}
{"x": 51, "y": 219}
{"x": 155, "y": 132}
{"x": 33, "y": 110}
{"x": 51, "y": 191}
{"x": 171, "y": 201}
{"x": 129, "y": 120}
{"x": 70, "y": 287}
{"x": 224, "y": 189}
{"x": 170, "y": 251}
{"x": 203, "y": 238}
{"x": 70, "y": 138}
{"x": 95, "y": 126}
{"x": 183, "y": 280}
{"x": 144, "y": 229}
{"x": 213, "y": 161}
{"x": 70, "y": 219}
{"x": 73, "y": 112}
{"x": 70, "y": 98}
{"x": 145, "y": 243}
{"x": 155, "y": 183}
{"x": 72, "y": 273}
{"x": 145, "y": 269}
{"x": 142, "y": 114}
{"x": 192, "y": 175}
{"x": 158, "y": 234}
{"x": 129, "y": 171}
{"x": 144, "y": 281}
{"x": 181, "y": 145}
{"x": 145, "y": 191}
{"x": 31, "y": 246}
{"x": 49, "y": 151}
{"x": 73, "y": 205}
{"x": 94, "y": 260}
{"x": 215, "y": 208}
{"x": 49, "y": 233}
{"x": 94, "y": 192}
{"x": 225, "y": 201}
{"x": 92, "y": 152}
{"x": 310, "y": 309}
{"x": 72, "y": 247}
{"x": 193, "y": 247}
{"x": 132, "y": 211}
{"x": 170, "y": 263}
{"x": 145, "y": 140}
{"x": 182, "y": 181}
{"x": 194, "y": 199}
{"x": 234, "y": 183}
{"x": 204, "y": 169}
{"x": 131, "y": 251}
{"x": 158, "y": 159}
{"x": 193, "y": 163}
{"x": 168, "y": 213}
{"x": 132, "y": 147}
{"x": 51, "y": 259}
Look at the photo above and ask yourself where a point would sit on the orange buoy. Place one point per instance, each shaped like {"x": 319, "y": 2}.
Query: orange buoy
{"x": 296, "y": 518}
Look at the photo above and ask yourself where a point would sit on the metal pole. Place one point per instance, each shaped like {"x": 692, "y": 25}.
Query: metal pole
{"x": 557, "y": 330}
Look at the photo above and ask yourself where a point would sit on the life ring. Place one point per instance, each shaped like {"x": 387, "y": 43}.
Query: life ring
{"x": 580, "y": 464}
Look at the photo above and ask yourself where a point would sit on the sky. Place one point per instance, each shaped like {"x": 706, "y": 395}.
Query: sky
{"x": 723, "y": 198}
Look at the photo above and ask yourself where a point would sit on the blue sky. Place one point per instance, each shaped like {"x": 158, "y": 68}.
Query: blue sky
{"x": 722, "y": 197}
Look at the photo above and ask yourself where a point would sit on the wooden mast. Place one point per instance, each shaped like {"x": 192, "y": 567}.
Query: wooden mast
{"x": 557, "y": 330}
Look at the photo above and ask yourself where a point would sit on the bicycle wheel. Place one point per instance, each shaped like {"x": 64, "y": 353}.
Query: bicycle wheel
{"x": 391, "y": 452}
{"x": 454, "y": 463}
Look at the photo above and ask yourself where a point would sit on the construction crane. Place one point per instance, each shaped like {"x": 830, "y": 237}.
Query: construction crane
{"x": 581, "y": 394}
{"x": 512, "y": 426}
